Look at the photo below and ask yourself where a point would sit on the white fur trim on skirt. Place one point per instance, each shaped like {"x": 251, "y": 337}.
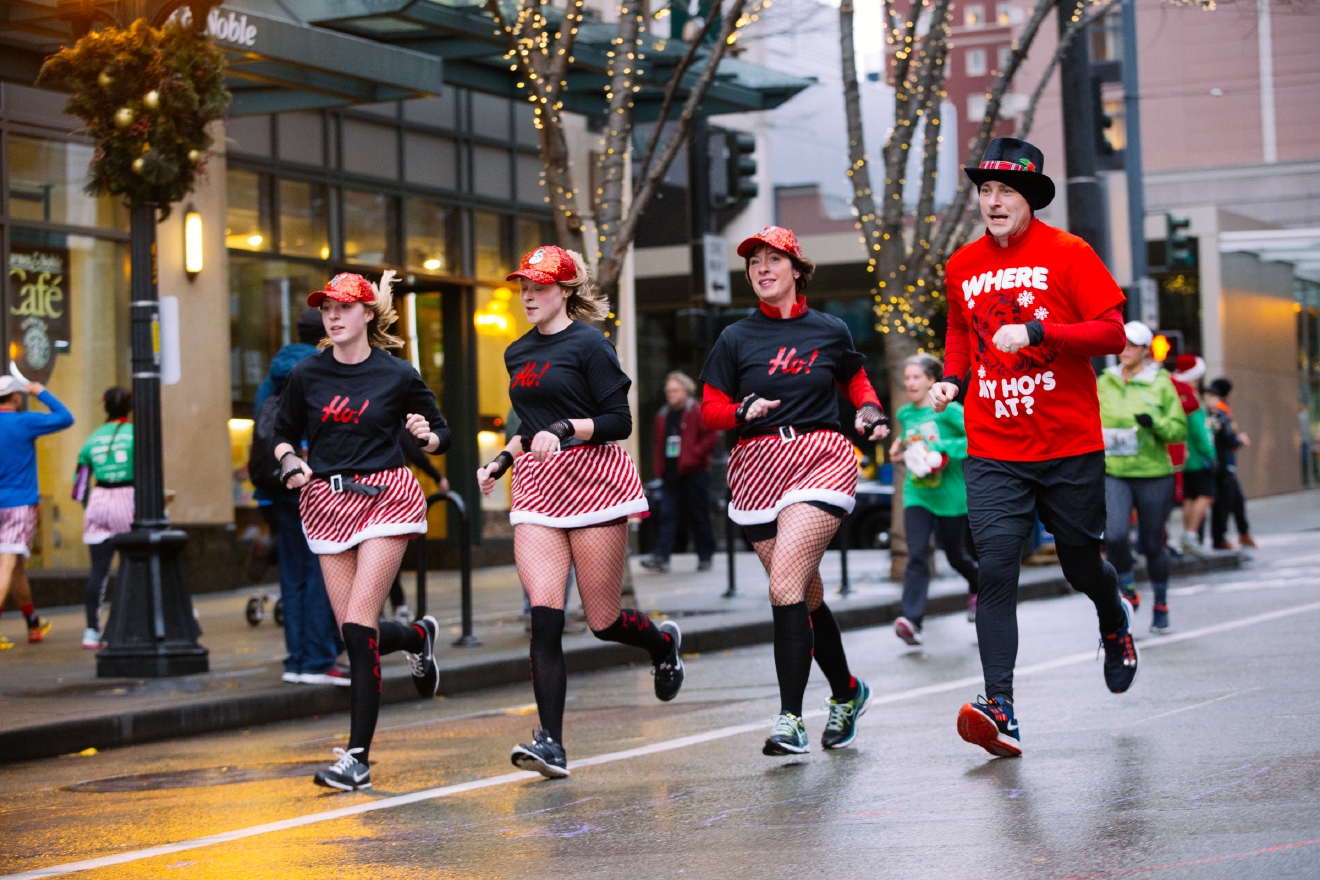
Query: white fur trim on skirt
{"x": 18, "y": 526}
{"x": 109, "y": 513}
{"x": 337, "y": 521}
{"x": 580, "y": 486}
{"x": 767, "y": 474}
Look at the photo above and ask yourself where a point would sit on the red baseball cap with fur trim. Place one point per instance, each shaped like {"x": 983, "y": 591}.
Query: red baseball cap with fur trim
{"x": 346, "y": 287}
{"x": 777, "y": 237}
{"x": 546, "y": 265}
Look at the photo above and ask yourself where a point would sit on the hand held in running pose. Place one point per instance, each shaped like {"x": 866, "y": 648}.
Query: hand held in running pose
{"x": 867, "y": 417}
{"x": 942, "y": 394}
{"x": 294, "y": 472}
{"x": 488, "y": 474}
{"x": 420, "y": 428}
{"x": 758, "y": 408}
{"x": 1011, "y": 337}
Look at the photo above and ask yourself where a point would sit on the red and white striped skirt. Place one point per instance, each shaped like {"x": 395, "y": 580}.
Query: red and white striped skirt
{"x": 766, "y": 474}
{"x": 18, "y": 525}
{"x": 337, "y": 521}
{"x": 579, "y": 486}
{"x": 109, "y": 513}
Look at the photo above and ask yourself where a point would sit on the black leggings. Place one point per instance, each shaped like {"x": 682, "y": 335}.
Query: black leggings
{"x": 1152, "y": 497}
{"x": 996, "y": 603}
{"x": 103, "y": 555}
{"x": 918, "y": 522}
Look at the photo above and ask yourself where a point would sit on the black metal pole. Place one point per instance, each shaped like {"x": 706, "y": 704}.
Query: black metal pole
{"x": 1136, "y": 190}
{"x": 421, "y": 569}
{"x": 732, "y": 550}
{"x": 467, "y": 640}
{"x": 1086, "y": 207}
{"x": 844, "y": 586}
{"x": 151, "y": 632}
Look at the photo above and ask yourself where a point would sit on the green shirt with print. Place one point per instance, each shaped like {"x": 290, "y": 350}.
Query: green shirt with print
{"x": 942, "y": 492}
{"x": 109, "y": 453}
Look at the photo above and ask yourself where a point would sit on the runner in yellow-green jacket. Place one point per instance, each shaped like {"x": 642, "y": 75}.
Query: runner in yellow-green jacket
{"x": 1140, "y": 415}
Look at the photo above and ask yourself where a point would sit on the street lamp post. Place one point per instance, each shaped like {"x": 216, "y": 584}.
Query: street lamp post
{"x": 151, "y": 632}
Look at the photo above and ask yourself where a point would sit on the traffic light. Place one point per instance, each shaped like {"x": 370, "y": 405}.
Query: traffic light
{"x": 742, "y": 166}
{"x": 1166, "y": 345}
{"x": 1177, "y": 246}
{"x": 1103, "y": 121}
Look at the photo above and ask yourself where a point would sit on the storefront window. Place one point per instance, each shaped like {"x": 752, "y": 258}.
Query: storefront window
{"x": 370, "y": 221}
{"x": 94, "y": 285}
{"x": 495, "y": 257}
{"x": 265, "y": 299}
{"x": 46, "y": 181}
{"x": 248, "y": 221}
{"x": 304, "y": 212}
{"x": 434, "y": 242}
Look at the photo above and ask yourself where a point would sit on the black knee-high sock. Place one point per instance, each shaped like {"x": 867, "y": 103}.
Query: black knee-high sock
{"x": 792, "y": 654}
{"x": 635, "y": 628}
{"x": 364, "y": 689}
{"x": 549, "y": 674}
{"x": 397, "y": 637}
{"x": 829, "y": 654}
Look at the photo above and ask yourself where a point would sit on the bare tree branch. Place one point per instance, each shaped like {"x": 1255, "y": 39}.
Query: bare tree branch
{"x": 858, "y": 170}
{"x": 608, "y": 272}
{"x": 671, "y": 88}
{"x": 613, "y": 162}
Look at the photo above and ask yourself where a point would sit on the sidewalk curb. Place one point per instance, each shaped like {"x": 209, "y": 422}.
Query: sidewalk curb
{"x": 733, "y": 630}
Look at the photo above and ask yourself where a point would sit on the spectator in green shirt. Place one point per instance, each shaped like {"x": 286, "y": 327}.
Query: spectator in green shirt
{"x": 107, "y": 456}
{"x": 933, "y": 445}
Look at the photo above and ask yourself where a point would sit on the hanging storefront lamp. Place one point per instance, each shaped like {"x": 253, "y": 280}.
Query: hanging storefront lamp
{"x": 192, "y": 242}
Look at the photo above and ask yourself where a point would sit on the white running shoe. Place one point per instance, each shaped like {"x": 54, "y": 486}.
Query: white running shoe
{"x": 92, "y": 640}
{"x": 403, "y": 614}
{"x": 904, "y": 629}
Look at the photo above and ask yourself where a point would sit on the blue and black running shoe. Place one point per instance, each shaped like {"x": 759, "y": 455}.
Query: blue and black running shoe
{"x": 788, "y": 738}
{"x": 841, "y": 729}
{"x": 990, "y": 724}
{"x": 1127, "y": 587}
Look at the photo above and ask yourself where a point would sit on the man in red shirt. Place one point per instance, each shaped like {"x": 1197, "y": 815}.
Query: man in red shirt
{"x": 1029, "y": 306}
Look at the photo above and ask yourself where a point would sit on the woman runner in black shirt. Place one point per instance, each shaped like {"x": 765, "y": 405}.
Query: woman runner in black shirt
{"x": 359, "y": 502}
{"x": 792, "y": 475}
{"x": 573, "y": 490}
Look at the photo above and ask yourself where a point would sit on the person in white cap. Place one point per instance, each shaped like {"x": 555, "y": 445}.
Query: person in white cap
{"x": 18, "y": 491}
{"x": 1140, "y": 415}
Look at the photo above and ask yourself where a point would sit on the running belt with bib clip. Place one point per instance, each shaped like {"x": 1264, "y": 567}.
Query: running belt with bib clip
{"x": 340, "y": 483}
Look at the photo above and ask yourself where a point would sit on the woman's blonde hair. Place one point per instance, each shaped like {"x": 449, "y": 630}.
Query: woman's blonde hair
{"x": 586, "y": 302}
{"x": 929, "y": 364}
{"x": 378, "y": 333}
{"x": 684, "y": 380}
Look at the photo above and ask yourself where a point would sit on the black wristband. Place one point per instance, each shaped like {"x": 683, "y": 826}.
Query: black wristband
{"x": 502, "y": 463}
{"x": 954, "y": 381}
{"x": 872, "y": 418}
{"x": 563, "y": 429}
{"x": 421, "y": 441}
{"x": 1035, "y": 332}
{"x": 741, "y": 412}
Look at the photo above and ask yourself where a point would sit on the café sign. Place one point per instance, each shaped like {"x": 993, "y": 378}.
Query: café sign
{"x": 38, "y": 308}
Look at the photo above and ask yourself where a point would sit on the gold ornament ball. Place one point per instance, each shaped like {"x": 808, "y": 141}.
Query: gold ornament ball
{"x": 139, "y": 164}
{"x": 104, "y": 80}
{"x": 151, "y": 100}
{"x": 123, "y": 117}
{"x": 194, "y": 156}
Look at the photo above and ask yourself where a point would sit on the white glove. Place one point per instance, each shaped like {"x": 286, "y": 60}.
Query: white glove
{"x": 917, "y": 459}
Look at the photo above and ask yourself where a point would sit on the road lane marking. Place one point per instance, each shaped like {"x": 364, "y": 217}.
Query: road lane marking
{"x": 608, "y": 758}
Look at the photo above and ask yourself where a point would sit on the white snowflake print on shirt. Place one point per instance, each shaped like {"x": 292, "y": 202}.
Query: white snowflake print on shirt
{"x": 1026, "y": 298}
{"x": 1041, "y": 313}
{"x": 981, "y": 372}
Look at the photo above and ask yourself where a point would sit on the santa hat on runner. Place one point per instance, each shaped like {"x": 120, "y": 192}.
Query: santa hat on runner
{"x": 1188, "y": 368}
{"x": 1020, "y": 165}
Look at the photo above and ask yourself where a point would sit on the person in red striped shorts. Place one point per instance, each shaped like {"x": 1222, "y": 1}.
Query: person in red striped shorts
{"x": 359, "y": 502}
{"x": 573, "y": 489}
{"x": 792, "y": 475}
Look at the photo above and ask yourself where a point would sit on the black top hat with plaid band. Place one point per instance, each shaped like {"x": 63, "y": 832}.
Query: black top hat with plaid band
{"x": 1020, "y": 165}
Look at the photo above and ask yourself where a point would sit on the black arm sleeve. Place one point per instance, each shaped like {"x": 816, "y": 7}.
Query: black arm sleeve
{"x": 615, "y": 419}
{"x": 291, "y": 419}
{"x": 421, "y": 400}
{"x": 850, "y": 359}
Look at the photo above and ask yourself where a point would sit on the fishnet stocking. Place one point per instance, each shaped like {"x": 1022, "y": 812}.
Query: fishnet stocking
{"x": 765, "y": 551}
{"x": 793, "y": 558}
{"x": 358, "y": 580}
{"x": 543, "y": 556}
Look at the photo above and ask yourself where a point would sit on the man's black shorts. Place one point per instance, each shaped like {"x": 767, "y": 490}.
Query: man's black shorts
{"x": 1199, "y": 484}
{"x": 1003, "y": 497}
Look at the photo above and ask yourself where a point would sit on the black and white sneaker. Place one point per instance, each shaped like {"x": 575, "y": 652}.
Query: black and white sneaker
{"x": 1121, "y": 656}
{"x": 425, "y": 674}
{"x": 346, "y": 774}
{"x": 544, "y": 756}
{"x": 669, "y": 673}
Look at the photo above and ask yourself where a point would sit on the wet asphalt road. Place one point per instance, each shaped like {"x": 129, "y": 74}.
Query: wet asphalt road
{"x": 1208, "y": 768}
